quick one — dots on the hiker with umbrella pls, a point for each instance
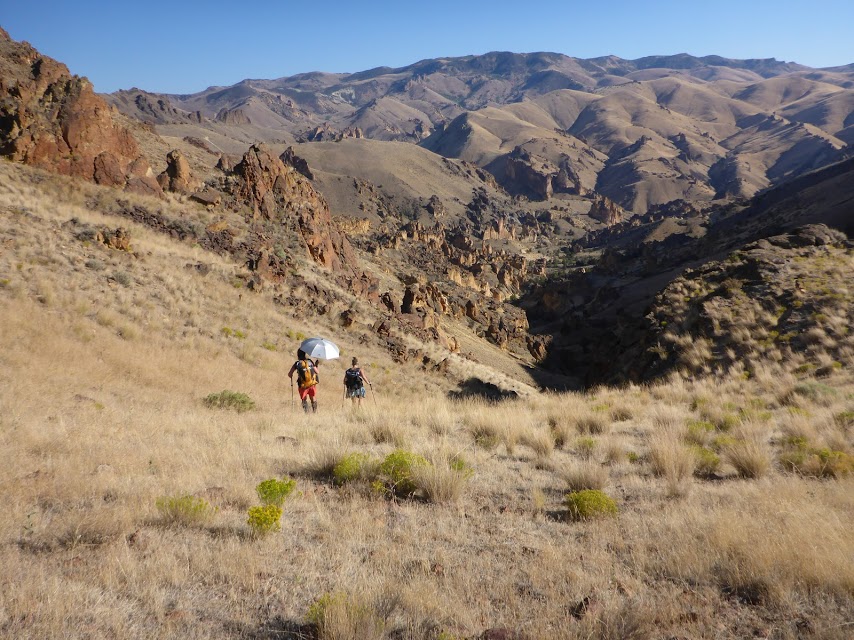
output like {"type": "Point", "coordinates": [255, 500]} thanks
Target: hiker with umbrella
{"type": "Point", "coordinates": [307, 371]}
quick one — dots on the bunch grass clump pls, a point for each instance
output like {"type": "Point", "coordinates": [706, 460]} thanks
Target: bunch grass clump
{"type": "Point", "coordinates": [594, 423]}
{"type": "Point", "coordinates": [670, 459]}
{"type": "Point", "coordinates": [443, 481]}
{"type": "Point", "coordinates": [586, 475]}
{"type": "Point", "coordinates": [226, 399]}
{"type": "Point", "coordinates": [185, 510]}
{"type": "Point", "coordinates": [590, 503]}
{"type": "Point", "coordinates": [336, 616]}
{"type": "Point", "coordinates": [749, 457]}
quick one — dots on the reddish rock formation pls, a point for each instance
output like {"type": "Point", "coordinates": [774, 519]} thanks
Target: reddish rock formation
{"type": "Point", "coordinates": [53, 120]}
{"type": "Point", "coordinates": [178, 177]}
{"type": "Point", "coordinates": [280, 193]}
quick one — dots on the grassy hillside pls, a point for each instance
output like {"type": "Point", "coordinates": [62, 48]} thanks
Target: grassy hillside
{"type": "Point", "coordinates": [128, 495]}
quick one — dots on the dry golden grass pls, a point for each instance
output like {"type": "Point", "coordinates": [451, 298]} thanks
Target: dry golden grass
{"type": "Point", "coordinates": [585, 475]}
{"type": "Point", "coordinates": [749, 456]}
{"type": "Point", "coordinates": [673, 461]}
{"type": "Point", "coordinates": [98, 422]}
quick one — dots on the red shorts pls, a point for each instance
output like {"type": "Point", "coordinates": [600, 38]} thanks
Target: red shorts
{"type": "Point", "coordinates": [308, 392]}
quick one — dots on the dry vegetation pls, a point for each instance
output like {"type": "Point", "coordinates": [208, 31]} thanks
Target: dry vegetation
{"type": "Point", "coordinates": [102, 382]}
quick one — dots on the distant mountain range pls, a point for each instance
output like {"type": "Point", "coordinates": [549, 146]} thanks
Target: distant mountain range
{"type": "Point", "coordinates": [642, 132]}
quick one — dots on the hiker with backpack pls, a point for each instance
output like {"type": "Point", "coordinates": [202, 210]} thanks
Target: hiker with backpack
{"type": "Point", "coordinates": [307, 380]}
{"type": "Point", "coordinates": [354, 382]}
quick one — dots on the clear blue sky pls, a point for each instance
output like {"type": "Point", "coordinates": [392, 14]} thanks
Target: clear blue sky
{"type": "Point", "coordinates": [185, 46]}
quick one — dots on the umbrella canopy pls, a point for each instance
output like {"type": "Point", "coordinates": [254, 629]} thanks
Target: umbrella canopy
{"type": "Point", "coordinates": [320, 348]}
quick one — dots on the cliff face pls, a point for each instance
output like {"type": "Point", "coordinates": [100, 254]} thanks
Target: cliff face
{"type": "Point", "coordinates": [53, 120]}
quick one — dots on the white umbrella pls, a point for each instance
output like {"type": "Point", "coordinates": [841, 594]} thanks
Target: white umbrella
{"type": "Point", "coordinates": [320, 348]}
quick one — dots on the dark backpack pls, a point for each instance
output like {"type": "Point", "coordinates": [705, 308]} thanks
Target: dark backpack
{"type": "Point", "coordinates": [353, 378]}
{"type": "Point", "coordinates": [306, 374]}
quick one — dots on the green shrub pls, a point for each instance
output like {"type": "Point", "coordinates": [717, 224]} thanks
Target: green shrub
{"type": "Point", "coordinates": [722, 441]}
{"type": "Point", "coordinates": [354, 466]}
{"type": "Point", "coordinates": [274, 491]}
{"type": "Point", "coordinates": [699, 432]}
{"type": "Point", "coordinates": [264, 519]}
{"type": "Point", "coordinates": [458, 463]}
{"type": "Point", "coordinates": [823, 462]}
{"type": "Point", "coordinates": [844, 419]}
{"type": "Point", "coordinates": [707, 462]}
{"type": "Point", "coordinates": [727, 422]}
{"type": "Point", "coordinates": [185, 510]}
{"type": "Point", "coordinates": [225, 399]}
{"type": "Point", "coordinates": [813, 390]}
{"type": "Point", "coordinates": [396, 472]}
{"type": "Point", "coordinates": [590, 503]}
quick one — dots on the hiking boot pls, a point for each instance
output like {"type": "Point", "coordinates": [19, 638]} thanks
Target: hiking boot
{"type": "Point", "coordinates": [313, 407]}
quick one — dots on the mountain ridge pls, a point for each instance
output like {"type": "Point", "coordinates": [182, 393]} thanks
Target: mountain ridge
{"type": "Point", "coordinates": [719, 128]}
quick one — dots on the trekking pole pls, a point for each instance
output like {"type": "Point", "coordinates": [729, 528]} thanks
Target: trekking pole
{"type": "Point", "coordinates": [292, 395]}
{"type": "Point", "coordinates": [373, 395]}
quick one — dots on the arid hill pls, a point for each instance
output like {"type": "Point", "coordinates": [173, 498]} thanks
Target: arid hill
{"type": "Point", "coordinates": [641, 132]}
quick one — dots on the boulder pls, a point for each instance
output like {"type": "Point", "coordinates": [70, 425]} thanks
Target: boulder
{"type": "Point", "coordinates": [178, 177]}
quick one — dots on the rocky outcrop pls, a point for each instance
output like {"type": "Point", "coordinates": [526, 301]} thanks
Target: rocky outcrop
{"type": "Point", "coordinates": [435, 207]}
{"type": "Point", "coordinates": [606, 211]}
{"type": "Point", "coordinates": [325, 133]}
{"type": "Point", "coordinates": [227, 162]}
{"type": "Point", "coordinates": [55, 121]}
{"type": "Point", "coordinates": [233, 117]}
{"type": "Point", "coordinates": [290, 158]}
{"type": "Point", "coordinates": [539, 178]}
{"type": "Point", "coordinates": [276, 192]}
{"type": "Point", "coordinates": [529, 175]}
{"type": "Point", "coordinates": [178, 177]}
